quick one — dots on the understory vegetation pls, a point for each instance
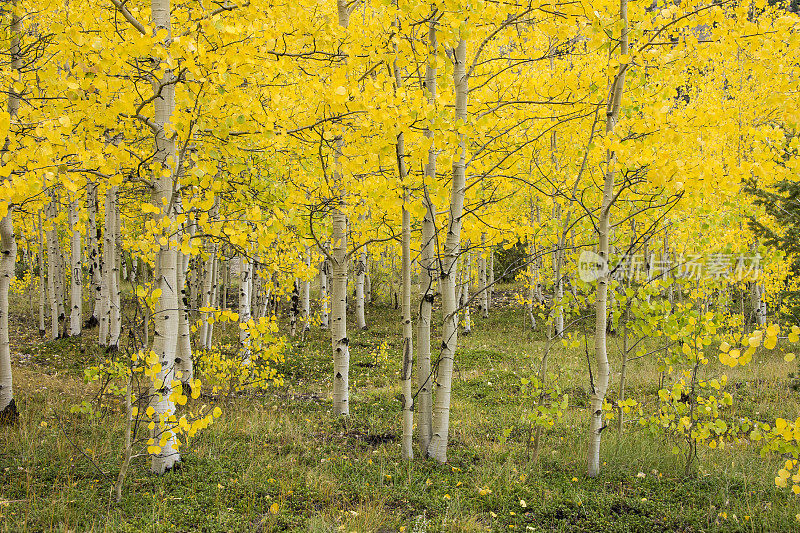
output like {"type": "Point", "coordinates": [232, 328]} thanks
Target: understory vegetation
{"type": "Point", "coordinates": [278, 460]}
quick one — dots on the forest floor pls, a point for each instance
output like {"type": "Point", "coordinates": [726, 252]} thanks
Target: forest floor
{"type": "Point", "coordinates": [58, 467]}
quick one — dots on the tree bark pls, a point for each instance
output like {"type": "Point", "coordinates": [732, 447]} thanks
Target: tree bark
{"type": "Point", "coordinates": [427, 264]}
{"type": "Point", "coordinates": [441, 408]}
{"type": "Point", "coordinates": [602, 376]}
{"type": "Point", "coordinates": [76, 292]}
{"type": "Point", "coordinates": [8, 258]}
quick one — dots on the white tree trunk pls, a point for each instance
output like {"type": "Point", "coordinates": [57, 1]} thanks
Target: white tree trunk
{"type": "Point", "coordinates": [76, 292]}
{"type": "Point", "coordinates": [603, 374]}
{"type": "Point", "coordinates": [406, 365]}
{"type": "Point", "coordinates": [115, 259]}
{"type": "Point", "coordinates": [339, 340]}
{"type": "Point", "coordinates": [8, 258]}
{"type": "Point", "coordinates": [361, 268]}
{"type": "Point", "coordinates": [465, 290]}
{"type": "Point", "coordinates": [427, 265]}
{"type": "Point", "coordinates": [490, 296]}
{"type": "Point", "coordinates": [245, 287]}
{"type": "Point", "coordinates": [209, 300]}
{"type": "Point", "coordinates": [483, 305]}
{"type": "Point", "coordinates": [441, 408]}
{"type": "Point", "coordinates": [93, 253]}
{"type": "Point", "coordinates": [367, 278]}
{"type": "Point", "coordinates": [293, 309]}
{"type": "Point", "coordinates": [306, 304]}
{"type": "Point", "coordinates": [183, 356]}
{"type": "Point", "coordinates": [42, 279]}
{"type": "Point", "coordinates": [165, 342]}
{"type": "Point", "coordinates": [52, 272]}
{"type": "Point", "coordinates": [324, 268]}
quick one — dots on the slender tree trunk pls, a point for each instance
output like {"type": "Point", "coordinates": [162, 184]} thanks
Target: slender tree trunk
{"type": "Point", "coordinates": [115, 258]}
{"type": "Point", "coordinates": [483, 306]}
{"type": "Point", "coordinates": [165, 343]}
{"type": "Point", "coordinates": [76, 292]}
{"type": "Point", "coordinates": [8, 258]}
{"type": "Point", "coordinates": [209, 291]}
{"type": "Point", "coordinates": [245, 287]}
{"type": "Point", "coordinates": [603, 373]}
{"type": "Point", "coordinates": [52, 271]}
{"type": "Point", "coordinates": [92, 244]}
{"type": "Point", "coordinates": [361, 268]}
{"type": "Point", "coordinates": [184, 369]}
{"type": "Point", "coordinates": [441, 408]}
{"type": "Point", "coordinates": [293, 309]}
{"type": "Point", "coordinates": [427, 263]}
{"type": "Point", "coordinates": [465, 291]}
{"type": "Point", "coordinates": [367, 277]}
{"type": "Point", "coordinates": [324, 268]}
{"type": "Point", "coordinates": [42, 279]}
{"type": "Point", "coordinates": [407, 450]}
{"type": "Point", "coordinates": [490, 296]}
{"type": "Point", "coordinates": [340, 342]}
{"type": "Point", "coordinates": [306, 306]}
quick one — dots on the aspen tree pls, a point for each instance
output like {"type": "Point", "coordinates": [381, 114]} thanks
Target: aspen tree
{"type": "Point", "coordinates": [245, 293]}
{"type": "Point", "coordinates": [603, 372]}
{"type": "Point", "coordinates": [427, 260]}
{"type": "Point", "coordinates": [76, 286]}
{"type": "Point", "coordinates": [339, 265]}
{"type": "Point", "coordinates": [406, 364]}
{"type": "Point", "coordinates": [465, 290]}
{"type": "Point", "coordinates": [114, 258]}
{"type": "Point", "coordinates": [483, 306]}
{"type": "Point", "coordinates": [8, 258]}
{"type": "Point", "coordinates": [42, 277]}
{"type": "Point", "coordinates": [8, 241]}
{"type": "Point", "coordinates": [437, 449]}
{"type": "Point", "coordinates": [306, 307]}
{"type": "Point", "coordinates": [52, 270]}
{"type": "Point", "coordinates": [323, 292]}
{"type": "Point", "coordinates": [93, 253]}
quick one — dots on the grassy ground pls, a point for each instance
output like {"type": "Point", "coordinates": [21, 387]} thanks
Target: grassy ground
{"type": "Point", "coordinates": [57, 468]}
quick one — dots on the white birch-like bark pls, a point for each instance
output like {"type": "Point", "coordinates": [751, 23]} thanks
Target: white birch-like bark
{"type": "Point", "coordinates": [209, 290]}
{"type": "Point", "coordinates": [306, 299]}
{"type": "Point", "coordinates": [427, 273]}
{"type": "Point", "coordinates": [293, 308]}
{"type": "Point", "coordinates": [245, 287]}
{"type": "Point", "coordinates": [76, 286]}
{"type": "Point", "coordinates": [184, 370]}
{"type": "Point", "coordinates": [437, 449]}
{"type": "Point", "coordinates": [324, 268]}
{"type": "Point", "coordinates": [406, 365]}
{"type": "Point", "coordinates": [52, 272]}
{"type": "Point", "coordinates": [558, 263]}
{"type": "Point", "coordinates": [465, 291]}
{"type": "Point", "coordinates": [115, 259]}
{"type": "Point", "coordinates": [338, 319]}
{"type": "Point", "coordinates": [339, 266]}
{"type": "Point", "coordinates": [367, 277]}
{"type": "Point", "coordinates": [490, 274]}
{"type": "Point", "coordinates": [361, 268]}
{"type": "Point", "coordinates": [165, 342]}
{"type": "Point", "coordinates": [42, 279]}
{"type": "Point", "coordinates": [93, 252]}
{"type": "Point", "coordinates": [603, 373]}
{"type": "Point", "coordinates": [483, 301]}
{"type": "Point", "coordinates": [8, 258]}
{"type": "Point", "coordinates": [8, 246]}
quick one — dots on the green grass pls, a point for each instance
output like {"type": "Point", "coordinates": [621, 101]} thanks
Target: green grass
{"type": "Point", "coordinates": [57, 468]}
